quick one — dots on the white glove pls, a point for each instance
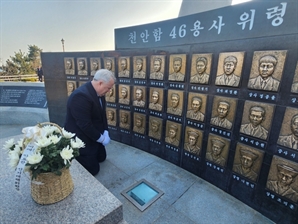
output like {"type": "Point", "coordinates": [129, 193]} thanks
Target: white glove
{"type": "Point", "coordinates": [106, 133]}
{"type": "Point", "coordinates": [106, 140]}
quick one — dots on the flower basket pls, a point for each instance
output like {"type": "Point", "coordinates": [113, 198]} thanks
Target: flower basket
{"type": "Point", "coordinates": [49, 188]}
{"type": "Point", "coordinates": [46, 152]}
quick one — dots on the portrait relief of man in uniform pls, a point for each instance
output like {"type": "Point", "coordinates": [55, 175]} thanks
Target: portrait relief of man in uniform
{"type": "Point", "coordinates": [124, 117]}
{"type": "Point", "coordinates": [196, 106]}
{"type": "Point", "coordinates": [111, 95]}
{"type": "Point", "coordinates": [229, 69]}
{"type": "Point", "coordinates": [109, 64]}
{"type": "Point", "coordinates": [69, 66]}
{"type": "Point", "coordinates": [157, 67]}
{"type": "Point", "coordinates": [177, 67]}
{"type": "Point", "coordinates": [82, 66]}
{"type": "Point", "coordinates": [155, 127]}
{"type": "Point", "coordinates": [248, 161]}
{"type": "Point", "coordinates": [288, 135]}
{"type": "Point", "coordinates": [71, 86]}
{"type": "Point", "coordinates": [200, 68]}
{"type": "Point", "coordinates": [223, 112]}
{"type": "Point", "coordinates": [124, 94]}
{"type": "Point", "coordinates": [139, 123]}
{"type": "Point", "coordinates": [139, 96]}
{"type": "Point", "coordinates": [257, 119]}
{"type": "Point", "coordinates": [175, 102]}
{"type": "Point", "coordinates": [156, 99]}
{"type": "Point", "coordinates": [123, 67]}
{"type": "Point", "coordinates": [217, 150]}
{"type": "Point", "coordinates": [173, 133]}
{"type": "Point", "coordinates": [95, 64]}
{"type": "Point", "coordinates": [294, 88]}
{"type": "Point", "coordinates": [282, 178]}
{"type": "Point", "coordinates": [267, 70]}
{"type": "Point", "coordinates": [111, 116]}
{"type": "Point", "coordinates": [139, 67]}
{"type": "Point", "coordinates": [193, 140]}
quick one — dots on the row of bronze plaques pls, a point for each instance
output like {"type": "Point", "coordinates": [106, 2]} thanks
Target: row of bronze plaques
{"type": "Point", "coordinates": [266, 68]}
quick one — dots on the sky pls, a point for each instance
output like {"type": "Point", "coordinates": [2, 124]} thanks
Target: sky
{"type": "Point", "coordinates": [84, 25]}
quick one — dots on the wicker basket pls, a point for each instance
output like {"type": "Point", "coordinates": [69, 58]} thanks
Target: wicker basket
{"type": "Point", "coordinates": [49, 188]}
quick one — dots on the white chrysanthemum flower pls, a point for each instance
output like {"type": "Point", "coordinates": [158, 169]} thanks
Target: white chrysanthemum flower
{"type": "Point", "coordinates": [18, 149]}
{"type": "Point", "coordinates": [13, 159]}
{"type": "Point", "coordinates": [54, 138]}
{"type": "Point", "coordinates": [66, 154]}
{"type": "Point", "coordinates": [34, 158]}
{"type": "Point", "coordinates": [67, 134]}
{"type": "Point", "coordinates": [48, 129]}
{"type": "Point", "coordinates": [8, 144]}
{"type": "Point", "coordinates": [34, 132]}
{"type": "Point", "coordinates": [77, 143]}
{"type": "Point", "coordinates": [43, 142]}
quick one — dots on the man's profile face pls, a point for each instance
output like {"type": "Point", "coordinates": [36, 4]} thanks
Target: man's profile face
{"type": "Point", "coordinates": [256, 118]}
{"type": "Point", "coordinates": [68, 64]}
{"type": "Point", "coordinates": [111, 92]}
{"type": "Point", "coordinates": [70, 87]}
{"type": "Point", "coordinates": [284, 178]}
{"type": "Point", "coordinates": [201, 67]}
{"type": "Point", "coordinates": [172, 133]}
{"type": "Point", "coordinates": [196, 105]}
{"type": "Point", "coordinates": [222, 110]}
{"type": "Point", "coordinates": [154, 127]}
{"type": "Point", "coordinates": [81, 65]}
{"type": "Point", "coordinates": [123, 64]}
{"type": "Point", "coordinates": [138, 123]}
{"type": "Point", "coordinates": [192, 140]}
{"type": "Point", "coordinates": [175, 101]}
{"type": "Point", "coordinates": [229, 67]}
{"type": "Point", "coordinates": [294, 126]}
{"type": "Point", "coordinates": [177, 66]}
{"type": "Point", "coordinates": [154, 98]}
{"type": "Point", "coordinates": [216, 149]}
{"type": "Point", "coordinates": [139, 94]}
{"type": "Point", "coordinates": [157, 66]}
{"type": "Point", "coordinates": [94, 65]}
{"type": "Point", "coordinates": [266, 69]}
{"type": "Point", "coordinates": [246, 162]}
{"type": "Point", "coordinates": [123, 118]}
{"type": "Point", "coordinates": [109, 65]}
{"type": "Point", "coordinates": [139, 66]}
{"type": "Point", "coordinates": [110, 115]}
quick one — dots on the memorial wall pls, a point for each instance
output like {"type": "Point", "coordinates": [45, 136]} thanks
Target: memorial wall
{"type": "Point", "coordinates": [215, 93]}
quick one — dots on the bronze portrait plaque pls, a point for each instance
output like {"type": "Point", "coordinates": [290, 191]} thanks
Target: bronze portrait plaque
{"type": "Point", "coordinates": [248, 161]}
{"type": "Point", "coordinates": [173, 133]}
{"type": "Point", "coordinates": [217, 150]}
{"type": "Point", "coordinates": [193, 140]}
{"type": "Point", "coordinates": [266, 70]}
{"type": "Point", "coordinates": [177, 67]}
{"type": "Point", "coordinates": [71, 86]}
{"type": "Point", "coordinates": [196, 106]}
{"type": "Point", "coordinates": [223, 112]}
{"type": "Point", "coordinates": [155, 127]}
{"type": "Point", "coordinates": [69, 66]}
{"type": "Point", "coordinates": [256, 119]}
{"type": "Point", "coordinates": [288, 135]}
{"type": "Point", "coordinates": [82, 66]}
{"type": "Point", "coordinates": [125, 120]}
{"type": "Point", "coordinates": [95, 64]}
{"type": "Point", "coordinates": [139, 63]}
{"type": "Point", "coordinates": [282, 178]}
{"type": "Point", "coordinates": [111, 95]}
{"type": "Point", "coordinates": [175, 102]}
{"type": "Point", "coordinates": [294, 88]}
{"type": "Point", "coordinates": [157, 67]}
{"type": "Point", "coordinates": [139, 123]}
{"type": "Point", "coordinates": [123, 67]}
{"type": "Point", "coordinates": [109, 64]}
{"type": "Point", "coordinates": [156, 99]}
{"type": "Point", "coordinates": [111, 116]}
{"type": "Point", "coordinates": [139, 96]}
{"type": "Point", "coordinates": [229, 69]}
{"type": "Point", "coordinates": [124, 93]}
{"type": "Point", "coordinates": [200, 68]}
